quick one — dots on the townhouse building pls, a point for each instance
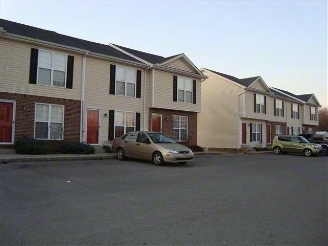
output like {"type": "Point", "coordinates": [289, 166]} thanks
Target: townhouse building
{"type": "Point", "coordinates": [247, 112]}
{"type": "Point", "coordinates": [57, 87]}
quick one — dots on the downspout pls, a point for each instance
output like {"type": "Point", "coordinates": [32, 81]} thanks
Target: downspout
{"type": "Point", "coordinates": [153, 82]}
{"type": "Point", "coordinates": [144, 97]}
{"type": "Point", "coordinates": [82, 96]}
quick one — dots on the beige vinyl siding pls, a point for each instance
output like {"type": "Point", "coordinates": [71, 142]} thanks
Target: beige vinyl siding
{"type": "Point", "coordinates": [249, 107]}
{"type": "Point", "coordinates": [218, 122]}
{"type": "Point", "coordinates": [97, 95]}
{"type": "Point", "coordinates": [181, 64]}
{"type": "Point", "coordinates": [270, 111]}
{"type": "Point", "coordinates": [258, 85]}
{"type": "Point", "coordinates": [311, 100]}
{"type": "Point", "coordinates": [307, 120]}
{"type": "Point", "coordinates": [15, 70]}
{"type": "Point", "coordinates": [164, 93]}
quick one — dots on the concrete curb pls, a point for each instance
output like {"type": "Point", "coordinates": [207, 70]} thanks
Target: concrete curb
{"type": "Point", "coordinates": [105, 156]}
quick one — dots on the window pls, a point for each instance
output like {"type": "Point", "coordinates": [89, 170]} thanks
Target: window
{"type": "Point", "coordinates": [279, 108]}
{"type": "Point", "coordinates": [310, 130]}
{"type": "Point", "coordinates": [256, 132]}
{"type": "Point", "coordinates": [185, 88]}
{"type": "Point", "coordinates": [49, 121]}
{"type": "Point", "coordinates": [295, 130]}
{"type": "Point", "coordinates": [125, 81]}
{"type": "Point", "coordinates": [180, 128]}
{"type": "Point", "coordinates": [313, 113]}
{"type": "Point", "coordinates": [124, 122]}
{"type": "Point", "coordinates": [278, 130]}
{"type": "Point", "coordinates": [283, 138]}
{"type": "Point", "coordinates": [52, 69]}
{"type": "Point", "coordinates": [295, 113]}
{"type": "Point", "coordinates": [260, 104]}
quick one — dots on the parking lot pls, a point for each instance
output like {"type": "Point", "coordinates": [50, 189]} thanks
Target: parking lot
{"type": "Point", "coordinates": [214, 200]}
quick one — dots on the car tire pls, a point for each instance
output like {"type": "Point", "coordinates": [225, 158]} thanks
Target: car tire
{"type": "Point", "coordinates": [307, 152]}
{"type": "Point", "coordinates": [277, 150]}
{"type": "Point", "coordinates": [120, 154]}
{"type": "Point", "coordinates": [157, 158]}
{"type": "Point", "coordinates": [324, 151]}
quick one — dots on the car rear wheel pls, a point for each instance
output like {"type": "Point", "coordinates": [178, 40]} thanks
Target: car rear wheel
{"type": "Point", "coordinates": [307, 152]}
{"type": "Point", "coordinates": [158, 158]}
{"type": "Point", "coordinates": [277, 150]}
{"type": "Point", "coordinates": [120, 154]}
{"type": "Point", "coordinates": [324, 151]}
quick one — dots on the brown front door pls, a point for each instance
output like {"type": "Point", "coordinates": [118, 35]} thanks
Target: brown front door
{"type": "Point", "coordinates": [156, 123]}
{"type": "Point", "coordinates": [93, 127]}
{"type": "Point", "coordinates": [268, 134]}
{"type": "Point", "coordinates": [6, 122]}
{"type": "Point", "coordinates": [243, 133]}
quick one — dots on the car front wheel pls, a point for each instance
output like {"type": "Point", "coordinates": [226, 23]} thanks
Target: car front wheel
{"type": "Point", "coordinates": [158, 158]}
{"type": "Point", "coordinates": [120, 154]}
{"type": "Point", "coordinates": [277, 150]}
{"type": "Point", "coordinates": [307, 152]}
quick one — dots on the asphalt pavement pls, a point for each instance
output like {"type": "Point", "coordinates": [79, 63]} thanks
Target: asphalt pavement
{"type": "Point", "coordinates": [214, 200]}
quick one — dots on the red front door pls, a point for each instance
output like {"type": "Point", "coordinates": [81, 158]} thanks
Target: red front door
{"type": "Point", "coordinates": [156, 122]}
{"type": "Point", "coordinates": [243, 133]}
{"type": "Point", "coordinates": [268, 134]}
{"type": "Point", "coordinates": [92, 126]}
{"type": "Point", "coordinates": [6, 122]}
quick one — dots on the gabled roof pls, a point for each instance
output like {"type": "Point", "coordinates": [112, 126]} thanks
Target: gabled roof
{"type": "Point", "coordinates": [248, 81]}
{"type": "Point", "coordinates": [54, 37]}
{"type": "Point", "coordinates": [305, 97]}
{"type": "Point", "coordinates": [286, 94]}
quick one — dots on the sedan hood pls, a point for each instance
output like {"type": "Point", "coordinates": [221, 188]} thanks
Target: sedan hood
{"type": "Point", "coordinates": [174, 146]}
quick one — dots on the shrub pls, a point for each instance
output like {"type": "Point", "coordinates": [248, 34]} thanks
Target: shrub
{"type": "Point", "coordinates": [28, 146]}
{"type": "Point", "coordinates": [196, 148]}
{"type": "Point", "coordinates": [70, 147]}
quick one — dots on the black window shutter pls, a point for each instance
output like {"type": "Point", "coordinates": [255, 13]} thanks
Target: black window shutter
{"type": "Point", "coordinates": [254, 103]}
{"type": "Point", "coordinates": [316, 114]}
{"type": "Point", "coordinates": [261, 134]}
{"type": "Point", "coordinates": [291, 110]}
{"type": "Point", "coordinates": [137, 121]}
{"type": "Point", "coordinates": [265, 104]}
{"type": "Point", "coordinates": [292, 130]}
{"type": "Point", "coordinates": [251, 132]}
{"type": "Point", "coordinates": [70, 69]}
{"type": "Point", "coordinates": [194, 90]}
{"type": "Point", "coordinates": [298, 111]}
{"type": "Point", "coordinates": [33, 65]}
{"type": "Point", "coordinates": [112, 79]}
{"type": "Point", "coordinates": [283, 108]}
{"type": "Point", "coordinates": [138, 90]}
{"type": "Point", "coordinates": [111, 125]}
{"type": "Point", "coordinates": [310, 112]}
{"type": "Point", "coordinates": [274, 107]}
{"type": "Point", "coordinates": [175, 88]}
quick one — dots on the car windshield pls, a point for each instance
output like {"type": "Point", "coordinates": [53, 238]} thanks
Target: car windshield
{"type": "Point", "coordinates": [160, 138]}
{"type": "Point", "coordinates": [302, 139]}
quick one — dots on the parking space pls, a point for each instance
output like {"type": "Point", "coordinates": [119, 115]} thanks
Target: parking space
{"type": "Point", "coordinates": [214, 200]}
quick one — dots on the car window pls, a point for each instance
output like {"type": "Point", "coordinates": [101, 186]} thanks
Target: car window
{"type": "Point", "coordinates": [283, 138]}
{"type": "Point", "coordinates": [142, 138]}
{"type": "Point", "coordinates": [295, 139]}
{"type": "Point", "coordinates": [302, 139]}
{"type": "Point", "coordinates": [131, 136]}
{"type": "Point", "coordinates": [160, 138]}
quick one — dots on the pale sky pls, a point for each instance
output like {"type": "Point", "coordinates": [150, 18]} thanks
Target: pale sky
{"type": "Point", "coordinates": [284, 41]}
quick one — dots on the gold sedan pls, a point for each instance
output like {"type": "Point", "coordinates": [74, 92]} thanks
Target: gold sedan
{"type": "Point", "coordinates": [152, 146]}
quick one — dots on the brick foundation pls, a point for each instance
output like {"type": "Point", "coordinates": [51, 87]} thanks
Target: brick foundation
{"type": "Point", "coordinates": [25, 114]}
{"type": "Point", "coordinates": [167, 123]}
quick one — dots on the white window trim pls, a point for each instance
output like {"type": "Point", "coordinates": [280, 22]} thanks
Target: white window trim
{"type": "Point", "coordinates": [180, 116]}
{"type": "Point", "coordinates": [280, 130]}
{"type": "Point", "coordinates": [49, 121]}
{"type": "Point", "coordinates": [184, 89]}
{"type": "Point", "coordinates": [258, 102]}
{"type": "Point", "coordinates": [52, 70]}
{"type": "Point", "coordinates": [125, 82]}
{"type": "Point", "coordinates": [295, 113]}
{"type": "Point", "coordinates": [279, 108]}
{"type": "Point", "coordinates": [256, 132]}
{"type": "Point", "coordinates": [135, 119]}
{"type": "Point", "coordinates": [313, 117]}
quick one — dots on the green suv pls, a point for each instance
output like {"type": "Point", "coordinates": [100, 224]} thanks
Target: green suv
{"type": "Point", "coordinates": [295, 144]}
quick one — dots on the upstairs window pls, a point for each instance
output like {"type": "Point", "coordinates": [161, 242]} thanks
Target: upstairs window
{"type": "Point", "coordinates": [259, 104]}
{"type": "Point", "coordinates": [185, 90]}
{"type": "Point", "coordinates": [278, 107]}
{"type": "Point", "coordinates": [125, 81]}
{"type": "Point", "coordinates": [295, 111]}
{"type": "Point", "coordinates": [313, 113]}
{"type": "Point", "coordinates": [52, 69]}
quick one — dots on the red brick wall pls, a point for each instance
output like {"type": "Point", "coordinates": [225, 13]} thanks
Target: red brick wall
{"type": "Point", "coordinates": [273, 128]}
{"type": "Point", "coordinates": [167, 123]}
{"type": "Point", "coordinates": [306, 127]}
{"type": "Point", "coordinates": [25, 113]}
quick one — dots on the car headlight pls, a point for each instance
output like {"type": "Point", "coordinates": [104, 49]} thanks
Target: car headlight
{"type": "Point", "coordinates": [172, 151]}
